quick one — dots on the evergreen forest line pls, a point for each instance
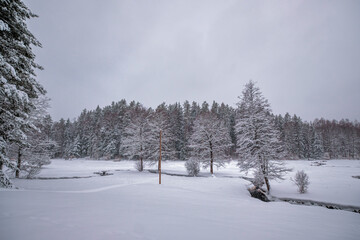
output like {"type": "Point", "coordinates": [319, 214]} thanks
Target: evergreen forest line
{"type": "Point", "coordinates": [102, 133]}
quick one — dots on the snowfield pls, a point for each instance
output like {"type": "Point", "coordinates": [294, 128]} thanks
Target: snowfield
{"type": "Point", "coordinates": [132, 205]}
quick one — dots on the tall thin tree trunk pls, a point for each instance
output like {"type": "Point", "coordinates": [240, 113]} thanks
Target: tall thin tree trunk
{"type": "Point", "coordinates": [17, 172]}
{"type": "Point", "coordinates": [1, 165]}
{"type": "Point", "coordinates": [265, 171]}
{"type": "Point", "coordinates": [141, 160]}
{"type": "Point", "coordinates": [267, 184]}
{"type": "Point", "coordinates": [211, 158]}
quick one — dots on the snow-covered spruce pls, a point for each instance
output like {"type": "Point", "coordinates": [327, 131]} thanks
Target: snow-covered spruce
{"type": "Point", "coordinates": [159, 122]}
{"type": "Point", "coordinates": [135, 140]}
{"type": "Point", "coordinates": [258, 141]}
{"type": "Point", "coordinates": [17, 83]}
{"type": "Point", "coordinates": [141, 138]}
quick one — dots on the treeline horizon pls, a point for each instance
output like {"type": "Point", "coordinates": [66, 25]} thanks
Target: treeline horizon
{"type": "Point", "coordinates": [73, 119]}
{"type": "Point", "coordinates": [98, 134]}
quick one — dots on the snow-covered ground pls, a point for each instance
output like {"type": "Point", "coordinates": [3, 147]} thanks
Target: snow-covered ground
{"type": "Point", "coordinates": [332, 182]}
{"type": "Point", "coordinates": [132, 205]}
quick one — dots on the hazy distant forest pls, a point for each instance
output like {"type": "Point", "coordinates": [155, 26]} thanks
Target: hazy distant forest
{"type": "Point", "coordinates": [102, 133]}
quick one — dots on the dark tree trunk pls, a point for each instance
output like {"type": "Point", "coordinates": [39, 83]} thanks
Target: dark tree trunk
{"type": "Point", "coordinates": [141, 164]}
{"type": "Point", "coordinates": [267, 184]}
{"type": "Point", "coordinates": [211, 159]}
{"type": "Point", "coordinates": [17, 172]}
{"type": "Point", "coordinates": [265, 171]}
{"type": "Point", "coordinates": [141, 160]}
{"type": "Point", "coordinates": [1, 165]}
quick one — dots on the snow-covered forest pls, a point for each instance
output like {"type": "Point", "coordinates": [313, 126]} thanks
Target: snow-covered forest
{"type": "Point", "coordinates": [100, 133]}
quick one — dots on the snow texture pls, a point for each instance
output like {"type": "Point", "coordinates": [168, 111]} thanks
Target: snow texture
{"type": "Point", "coordinates": [132, 205]}
{"type": "Point", "coordinates": [4, 26]}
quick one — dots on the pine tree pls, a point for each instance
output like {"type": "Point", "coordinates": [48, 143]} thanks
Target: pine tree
{"type": "Point", "coordinates": [58, 135]}
{"type": "Point", "coordinates": [210, 142]}
{"type": "Point", "coordinates": [158, 121]}
{"type": "Point", "coordinates": [287, 137]}
{"type": "Point", "coordinates": [188, 123]}
{"type": "Point", "coordinates": [17, 83]}
{"type": "Point", "coordinates": [204, 107]}
{"type": "Point", "coordinates": [83, 130]}
{"type": "Point", "coordinates": [306, 143]}
{"type": "Point", "coordinates": [257, 138]}
{"type": "Point", "coordinates": [136, 137]}
{"type": "Point", "coordinates": [298, 137]}
{"type": "Point", "coordinates": [73, 149]}
{"type": "Point", "coordinates": [69, 138]}
{"type": "Point", "coordinates": [176, 121]}
{"type": "Point", "coordinates": [316, 150]}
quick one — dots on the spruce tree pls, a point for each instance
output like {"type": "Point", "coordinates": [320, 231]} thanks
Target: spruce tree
{"type": "Point", "coordinates": [158, 121]}
{"type": "Point", "coordinates": [317, 150]}
{"type": "Point", "coordinates": [17, 78]}
{"type": "Point", "coordinates": [136, 137]}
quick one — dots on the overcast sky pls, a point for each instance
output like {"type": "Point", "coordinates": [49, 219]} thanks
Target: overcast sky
{"type": "Point", "coordinates": [304, 55]}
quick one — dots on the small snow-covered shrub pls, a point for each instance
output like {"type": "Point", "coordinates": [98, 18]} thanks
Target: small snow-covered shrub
{"type": "Point", "coordinates": [139, 165]}
{"type": "Point", "coordinates": [302, 181]}
{"type": "Point", "coordinates": [192, 167]}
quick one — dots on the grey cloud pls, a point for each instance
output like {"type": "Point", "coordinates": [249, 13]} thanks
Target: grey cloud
{"type": "Point", "coordinates": [303, 54]}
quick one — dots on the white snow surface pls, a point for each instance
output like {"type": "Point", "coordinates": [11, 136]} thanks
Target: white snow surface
{"type": "Point", "coordinates": [132, 205]}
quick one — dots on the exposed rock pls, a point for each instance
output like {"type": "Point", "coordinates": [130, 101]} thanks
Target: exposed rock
{"type": "Point", "coordinates": [258, 193]}
{"type": "Point", "coordinates": [318, 163]}
{"type": "Point", "coordinates": [103, 173]}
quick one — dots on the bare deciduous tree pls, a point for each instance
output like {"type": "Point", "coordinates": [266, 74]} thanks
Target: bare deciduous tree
{"type": "Point", "coordinates": [210, 142]}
